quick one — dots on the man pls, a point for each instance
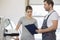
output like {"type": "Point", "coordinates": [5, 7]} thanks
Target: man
{"type": "Point", "coordinates": [50, 23]}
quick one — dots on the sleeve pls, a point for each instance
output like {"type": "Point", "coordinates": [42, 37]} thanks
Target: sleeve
{"type": "Point", "coordinates": [20, 21]}
{"type": "Point", "coordinates": [36, 23]}
{"type": "Point", "coordinates": [54, 16]}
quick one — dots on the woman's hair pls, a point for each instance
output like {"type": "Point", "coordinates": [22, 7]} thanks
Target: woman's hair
{"type": "Point", "coordinates": [28, 7]}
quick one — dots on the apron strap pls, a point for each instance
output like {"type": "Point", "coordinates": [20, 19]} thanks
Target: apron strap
{"type": "Point", "coordinates": [50, 14]}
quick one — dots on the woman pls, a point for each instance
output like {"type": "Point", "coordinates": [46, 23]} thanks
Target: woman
{"type": "Point", "coordinates": [26, 20]}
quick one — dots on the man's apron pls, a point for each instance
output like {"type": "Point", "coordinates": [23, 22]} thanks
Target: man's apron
{"type": "Point", "coordinates": [48, 35]}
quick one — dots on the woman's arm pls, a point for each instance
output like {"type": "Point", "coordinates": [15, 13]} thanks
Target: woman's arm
{"type": "Point", "coordinates": [17, 27]}
{"type": "Point", "coordinates": [19, 23]}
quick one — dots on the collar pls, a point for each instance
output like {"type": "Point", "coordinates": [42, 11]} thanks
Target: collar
{"type": "Point", "coordinates": [50, 12]}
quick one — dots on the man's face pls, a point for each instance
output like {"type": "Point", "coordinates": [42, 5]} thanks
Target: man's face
{"type": "Point", "coordinates": [46, 6]}
{"type": "Point", "coordinates": [29, 12]}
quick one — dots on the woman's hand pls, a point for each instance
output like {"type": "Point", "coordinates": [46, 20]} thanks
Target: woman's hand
{"type": "Point", "coordinates": [16, 38]}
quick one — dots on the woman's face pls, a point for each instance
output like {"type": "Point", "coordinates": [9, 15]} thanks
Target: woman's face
{"type": "Point", "coordinates": [29, 12]}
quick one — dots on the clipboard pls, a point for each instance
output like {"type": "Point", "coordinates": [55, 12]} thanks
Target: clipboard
{"type": "Point", "coordinates": [31, 28]}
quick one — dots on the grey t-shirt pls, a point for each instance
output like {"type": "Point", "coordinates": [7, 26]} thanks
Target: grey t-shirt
{"type": "Point", "coordinates": [26, 35]}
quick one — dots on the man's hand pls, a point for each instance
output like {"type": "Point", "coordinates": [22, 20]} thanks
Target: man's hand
{"type": "Point", "coordinates": [39, 30]}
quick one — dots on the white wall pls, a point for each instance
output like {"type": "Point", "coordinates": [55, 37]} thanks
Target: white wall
{"type": "Point", "coordinates": [12, 9]}
{"type": "Point", "coordinates": [41, 1]}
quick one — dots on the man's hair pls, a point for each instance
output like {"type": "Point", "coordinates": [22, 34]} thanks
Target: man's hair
{"type": "Point", "coordinates": [49, 2]}
{"type": "Point", "coordinates": [28, 7]}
